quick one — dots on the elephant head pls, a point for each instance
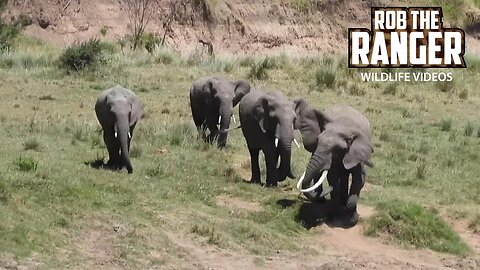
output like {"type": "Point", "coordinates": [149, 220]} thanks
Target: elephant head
{"type": "Point", "coordinates": [276, 117]}
{"type": "Point", "coordinates": [334, 140]}
{"type": "Point", "coordinates": [222, 96]}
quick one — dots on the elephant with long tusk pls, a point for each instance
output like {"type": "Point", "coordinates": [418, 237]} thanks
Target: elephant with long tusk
{"type": "Point", "coordinates": [340, 142]}
{"type": "Point", "coordinates": [266, 119]}
{"type": "Point", "coordinates": [212, 100]}
{"type": "Point", "coordinates": [118, 110]}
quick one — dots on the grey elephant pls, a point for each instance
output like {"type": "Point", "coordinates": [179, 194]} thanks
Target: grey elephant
{"type": "Point", "coordinates": [340, 142]}
{"type": "Point", "coordinates": [267, 124]}
{"type": "Point", "coordinates": [118, 111]}
{"type": "Point", "coordinates": [212, 100]}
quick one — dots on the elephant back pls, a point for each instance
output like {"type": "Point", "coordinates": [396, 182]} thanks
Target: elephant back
{"type": "Point", "coordinates": [347, 115]}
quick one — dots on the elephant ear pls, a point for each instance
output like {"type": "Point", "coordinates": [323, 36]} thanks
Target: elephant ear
{"type": "Point", "coordinates": [306, 114]}
{"type": "Point", "coordinates": [299, 105]}
{"type": "Point", "coordinates": [136, 111]}
{"type": "Point", "coordinates": [209, 90]}
{"type": "Point", "coordinates": [261, 109]}
{"type": "Point", "coordinates": [360, 150]}
{"type": "Point", "coordinates": [242, 87]}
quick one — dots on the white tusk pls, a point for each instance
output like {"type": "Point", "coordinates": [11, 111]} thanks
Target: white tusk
{"type": "Point", "coordinates": [295, 141]}
{"type": "Point", "coordinates": [116, 134]}
{"type": "Point", "coordinates": [276, 142]}
{"type": "Point", "coordinates": [233, 117]}
{"type": "Point", "coordinates": [319, 183]}
{"type": "Point", "coordinates": [299, 183]}
{"type": "Point", "coordinates": [219, 119]}
{"type": "Point", "coordinates": [129, 135]}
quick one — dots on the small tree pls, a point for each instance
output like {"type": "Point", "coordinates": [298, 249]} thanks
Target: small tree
{"type": "Point", "coordinates": [140, 14]}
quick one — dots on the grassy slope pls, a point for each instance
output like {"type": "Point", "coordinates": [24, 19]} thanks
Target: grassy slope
{"type": "Point", "coordinates": [55, 209]}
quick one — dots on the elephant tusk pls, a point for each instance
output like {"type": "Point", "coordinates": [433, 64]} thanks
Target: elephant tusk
{"type": "Point", "coordinates": [276, 142]}
{"type": "Point", "coordinates": [129, 135]}
{"type": "Point", "coordinates": [116, 135]}
{"type": "Point", "coordinates": [219, 119]}
{"type": "Point", "coordinates": [296, 143]}
{"type": "Point", "coordinates": [319, 183]}
{"type": "Point", "coordinates": [233, 118]}
{"type": "Point", "coordinates": [299, 183]}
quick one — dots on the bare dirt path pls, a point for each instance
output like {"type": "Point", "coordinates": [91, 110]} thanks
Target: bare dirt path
{"type": "Point", "coordinates": [337, 249]}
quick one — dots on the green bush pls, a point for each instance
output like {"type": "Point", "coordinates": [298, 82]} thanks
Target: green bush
{"type": "Point", "coordinates": [259, 69]}
{"type": "Point", "coordinates": [445, 124]}
{"type": "Point", "coordinates": [26, 164]}
{"type": "Point", "coordinates": [8, 35]}
{"type": "Point", "coordinates": [324, 77]}
{"type": "Point", "coordinates": [86, 55]}
{"type": "Point", "coordinates": [151, 42]}
{"type": "Point", "coordinates": [412, 224]}
{"type": "Point", "coordinates": [468, 129]}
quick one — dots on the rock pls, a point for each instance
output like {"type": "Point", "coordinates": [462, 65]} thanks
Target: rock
{"type": "Point", "coordinates": [44, 22]}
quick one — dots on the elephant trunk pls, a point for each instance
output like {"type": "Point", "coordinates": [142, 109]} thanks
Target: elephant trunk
{"type": "Point", "coordinates": [225, 113]}
{"type": "Point", "coordinates": [316, 166]}
{"type": "Point", "coordinates": [285, 147]}
{"type": "Point", "coordinates": [123, 128]}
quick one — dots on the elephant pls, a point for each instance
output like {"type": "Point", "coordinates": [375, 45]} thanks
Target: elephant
{"type": "Point", "coordinates": [340, 142]}
{"type": "Point", "coordinates": [212, 100]}
{"type": "Point", "coordinates": [118, 110]}
{"type": "Point", "coordinates": [267, 120]}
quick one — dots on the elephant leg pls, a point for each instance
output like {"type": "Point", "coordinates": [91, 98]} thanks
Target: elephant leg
{"type": "Point", "coordinates": [200, 120]}
{"type": "Point", "coordinates": [213, 132]}
{"type": "Point", "coordinates": [254, 152]}
{"type": "Point", "coordinates": [333, 180]}
{"type": "Point", "coordinates": [271, 163]}
{"type": "Point", "coordinates": [343, 188]}
{"type": "Point", "coordinates": [358, 180]}
{"type": "Point", "coordinates": [112, 147]}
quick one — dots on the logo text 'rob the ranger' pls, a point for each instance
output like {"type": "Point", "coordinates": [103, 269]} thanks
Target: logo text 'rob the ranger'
{"type": "Point", "coordinates": [406, 37]}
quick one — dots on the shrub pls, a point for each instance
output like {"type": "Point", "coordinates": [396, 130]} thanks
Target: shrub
{"type": "Point", "coordinates": [86, 55]}
{"type": "Point", "coordinates": [26, 164]}
{"type": "Point", "coordinates": [246, 61]}
{"type": "Point", "coordinates": [324, 77]}
{"type": "Point", "coordinates": [164, 57]}
{"type": "Point", "coordinates": [136, 151]}
{"type": "Point", "coordinates": [355, 89]}
{"type": "Point", "coordinates": [445, 124]}
{"type": "Point", "coordinates": [384, 136]}
{"type": "Point", "coordinates": [31, 144]}
{"type": "Point", "coordinates": [421, 170]}
{"type": "Point", "coordinates": [468, 130]}
{"type": "Point", "coordinates": [259, 69]}
{"type": "Point", "coordinates": [8, 35]}
{"type": "Point", "coordinates": [390, 89]}
{"type": "Point", "coordinates": [151, 42]}
{"type": "Point", "coordinates": [411, 224]}
{"type": "Point", "coordinates": [445, 86]}
{"type": "Point", "coordinates": [463, 94]}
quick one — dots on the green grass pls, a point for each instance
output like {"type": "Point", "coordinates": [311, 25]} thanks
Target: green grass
{"type": "Point", "coordinates": [52, 203]}
{"type": "Point", "coordinates": [412, 224]}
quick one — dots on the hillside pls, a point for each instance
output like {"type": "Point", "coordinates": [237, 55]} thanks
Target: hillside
{"type": "Point", "coordinates": [247, 26]}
